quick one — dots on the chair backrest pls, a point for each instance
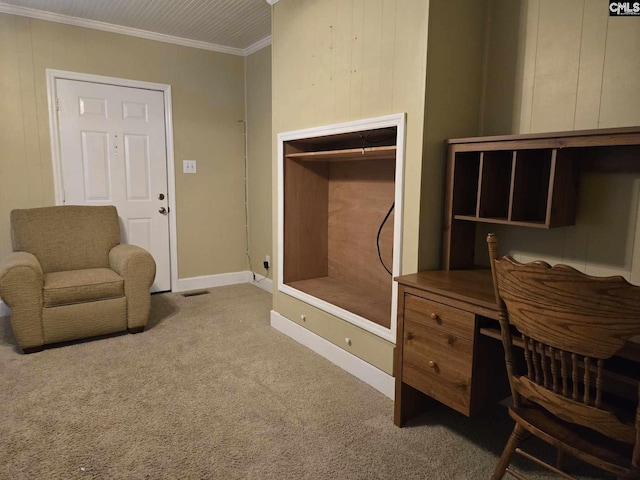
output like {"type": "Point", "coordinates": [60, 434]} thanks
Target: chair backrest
{"type": "Point", "coordinates": [569, 323]}
{"type": "Point", "coordinates": [69, 237]}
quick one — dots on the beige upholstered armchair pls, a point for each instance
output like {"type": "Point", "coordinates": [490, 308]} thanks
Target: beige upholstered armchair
{"type": "Point", "coordinates": [69, 277]}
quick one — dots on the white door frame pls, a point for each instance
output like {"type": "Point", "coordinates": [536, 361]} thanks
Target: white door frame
{"type": "Point", "coordinates": [54, 131]}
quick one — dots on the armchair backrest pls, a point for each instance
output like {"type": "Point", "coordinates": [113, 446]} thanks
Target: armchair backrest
{"type": "Point", "coordinates": [69, 237]}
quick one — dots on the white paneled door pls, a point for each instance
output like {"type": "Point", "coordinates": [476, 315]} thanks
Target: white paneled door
{"type": "Point", "coordinates": [113, 152]}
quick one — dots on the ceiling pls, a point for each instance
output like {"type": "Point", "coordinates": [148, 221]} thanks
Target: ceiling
{"type": "Point", "coordinates": [230, 26]}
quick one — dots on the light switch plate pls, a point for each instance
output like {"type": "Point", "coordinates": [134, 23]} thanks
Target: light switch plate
{"type": "Point", "coordinates": [188, 166]}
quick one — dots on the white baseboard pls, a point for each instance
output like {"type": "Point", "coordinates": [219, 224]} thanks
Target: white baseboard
{"type": "Point", "coordinates": [4, 310]}
{"type": "Point", "coordinates": [357, 367]}
{"type": "Point", "coordinates": [211, 281]}
{"type": "Point", "coordinates": [262, 282]}
{"type": "Point", "coordinates": [220, 280]}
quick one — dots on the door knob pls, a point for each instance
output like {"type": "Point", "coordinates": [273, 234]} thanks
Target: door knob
{"type": "Point", "coordinates": [163, 210]}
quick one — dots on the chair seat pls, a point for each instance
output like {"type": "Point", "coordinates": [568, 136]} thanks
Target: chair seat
{"type": "Point", "coordinates": [80, 286]}
{"type": "Point", "coordinates": [580, 442]}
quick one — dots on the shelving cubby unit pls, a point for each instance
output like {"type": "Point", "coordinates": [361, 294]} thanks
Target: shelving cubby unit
{"type": "Point", "coordinates": [515, 187]}
{"type": "Point", "coordinates": [528, 180]}
{"type": "Point", "coordinates": [336, 185]}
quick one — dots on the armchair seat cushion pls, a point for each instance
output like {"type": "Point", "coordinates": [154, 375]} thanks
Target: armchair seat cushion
{"type": "Point", "coordinates": [80, 286]}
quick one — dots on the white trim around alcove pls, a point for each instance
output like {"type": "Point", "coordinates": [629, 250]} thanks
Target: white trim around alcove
{"type": "Point", "coordinates": [399, 122]}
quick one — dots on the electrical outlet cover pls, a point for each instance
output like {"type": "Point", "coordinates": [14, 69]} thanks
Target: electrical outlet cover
{"type": "Point", "coordinates": [188, 166]}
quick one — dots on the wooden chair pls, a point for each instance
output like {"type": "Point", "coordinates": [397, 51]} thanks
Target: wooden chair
{"type": "Point", "coordinates": [570, 326]}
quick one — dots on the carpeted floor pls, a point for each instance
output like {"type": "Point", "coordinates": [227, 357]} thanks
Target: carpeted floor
{"type": "Point", "coordinates": [211, 391]}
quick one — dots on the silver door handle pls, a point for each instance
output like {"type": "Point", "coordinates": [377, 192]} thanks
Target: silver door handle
{"type": "Point", "coordinates": [163, 210]}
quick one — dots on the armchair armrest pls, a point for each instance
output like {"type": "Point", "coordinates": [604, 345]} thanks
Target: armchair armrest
{"type": "Point", "coordinates": [21, 282]}
{"type": "Point", "coordinates": [138, 269]}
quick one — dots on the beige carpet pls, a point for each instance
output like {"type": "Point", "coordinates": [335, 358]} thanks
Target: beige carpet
{"type": "Point", "coordinates": [211, 391]}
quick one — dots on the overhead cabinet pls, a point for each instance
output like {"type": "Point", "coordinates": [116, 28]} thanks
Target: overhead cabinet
{"type": "Point", "coordinates": [524, 180]}
{"type": "Point", "coordinates": [535, 188]}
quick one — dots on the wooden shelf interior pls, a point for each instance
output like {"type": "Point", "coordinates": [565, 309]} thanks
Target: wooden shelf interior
{"type": "Point", "coordinates": [530, 190]}
{"type": "Point", "coordinates": [348, 297]}
{"type": "Point", "coordinates": [525, 180]}
{"type": "Point", "coordinates": [347, 154]}
{"type": "Point", "coordinates": [381, 137]}
{"type": "Point", "coordinates": [535, 187]}
{"type": "Point", "coordinates": [465, 190]}
{"type": "Point", "coordinates": [502, 221]}
{"type": "Point", "coordinates": [495, 184]}
{"type": "Point", "coordinates": [334, 204]}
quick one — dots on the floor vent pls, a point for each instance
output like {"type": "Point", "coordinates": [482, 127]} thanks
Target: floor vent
{"type": "Point", "coordinates": [195, 293]}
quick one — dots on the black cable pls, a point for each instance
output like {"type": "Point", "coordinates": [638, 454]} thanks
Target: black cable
{"type": "Point", "coordinates": [380, 140]}
{"type": "Point", "coordinates": [378, 237]}
{"type": "Point", "coordinates": [365, 138]}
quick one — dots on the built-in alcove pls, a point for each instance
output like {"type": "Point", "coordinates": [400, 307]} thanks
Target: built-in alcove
{"type": "Point", "coordinates": [340, 217]}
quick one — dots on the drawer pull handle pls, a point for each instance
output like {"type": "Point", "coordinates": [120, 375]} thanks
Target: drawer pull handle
{"type": "Point", "coordinates": [410, 336]}
{"type": "Point", "coordinates": [434, 316]}
{"type": "Point", "coordinates": [432, 364]}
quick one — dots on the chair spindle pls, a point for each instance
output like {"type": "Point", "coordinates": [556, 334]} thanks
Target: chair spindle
{"type": "Point", "coordinates": [599, 384]}
{"type": "Point", "coordinates": [554, 368]}
{"type": "Point", "coordinates": [587, 379]}
{"type": "Point", "coordinates": [563, 372]}
{"type": "Point", "coordinates": [527, 356]}
{"type": "Point", "coordinates": [543, 362]}
{"type": "Point", "coordinates": [574, 375]}
{"type": "Point", "coordinates": [536, 361]}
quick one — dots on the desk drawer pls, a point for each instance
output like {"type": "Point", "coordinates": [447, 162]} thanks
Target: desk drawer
{"type": "Point", "coordinates": [437, 315]}
{"type": "Point", "coordinates": [438, 364]}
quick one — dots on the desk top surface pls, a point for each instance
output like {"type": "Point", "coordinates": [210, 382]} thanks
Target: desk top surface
{"type": "Point", "coordinates": [475, 289]}
{"type": "Point", "coordinates": [471, 286]}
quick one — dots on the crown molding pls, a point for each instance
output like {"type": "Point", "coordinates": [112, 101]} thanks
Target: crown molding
{"type": "Point", "coordinates": [259, 45]}
{"type": "Point", "coordinates": [272, 2]}
{"type": "Point", "coordinates": [134, 32]}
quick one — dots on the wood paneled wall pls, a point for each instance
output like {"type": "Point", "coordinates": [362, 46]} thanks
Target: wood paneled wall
{"type": "Point", "coordinates": [337, 60]}
{"type": "Point", "coordinates": [341, 60]}
{"type": "Point", "coordinates": [554, 66]}
{"type": "Point", "coordinates": [208, 103]}
{"type": "Point", "coordinates": [258, 98]}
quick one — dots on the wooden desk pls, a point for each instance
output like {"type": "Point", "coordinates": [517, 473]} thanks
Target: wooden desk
{"type": "Point", "coordinates": [448, 344]}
